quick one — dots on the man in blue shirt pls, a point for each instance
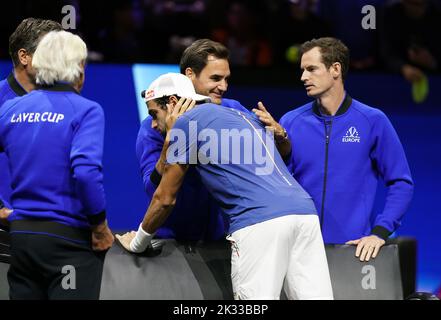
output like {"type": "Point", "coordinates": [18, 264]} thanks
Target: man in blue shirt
{"type": "Point", "coordinates": [274, 230]}
{"type": "Point", "coordinates": [22, 44]}
{"type": "Point", "coordinates": [205, 62]}
{"type": "Point", "coordinates": [53, 140]}
{"type": "Point", "coordinates": [337, 148]}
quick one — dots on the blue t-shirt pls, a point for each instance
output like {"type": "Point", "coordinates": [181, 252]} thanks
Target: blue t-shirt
{"type": "Point", "coordinates": [193, 201]}
{"type": "Point", "coordinates": [239, 165]}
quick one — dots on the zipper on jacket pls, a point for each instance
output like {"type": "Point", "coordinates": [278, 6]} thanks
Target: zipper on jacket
{"type": "Point", "coordinates": [328, 138]}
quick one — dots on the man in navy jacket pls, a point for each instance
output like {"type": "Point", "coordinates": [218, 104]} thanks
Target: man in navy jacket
{"type": "Point", "coordinates": [338, 148]}
{"type": "Point", "coordinates": [53, 140]}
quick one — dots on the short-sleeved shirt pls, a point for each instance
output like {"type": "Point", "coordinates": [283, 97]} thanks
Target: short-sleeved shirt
{"type": "Point", "coordinates": [239, 164]}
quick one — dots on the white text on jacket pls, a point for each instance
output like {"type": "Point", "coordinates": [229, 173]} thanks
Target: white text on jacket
{"type": "Point", "coordinates": [37, 117]}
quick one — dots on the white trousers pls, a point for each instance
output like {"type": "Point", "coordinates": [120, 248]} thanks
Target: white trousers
{"type": "Point", "coordinates": [285, 252]}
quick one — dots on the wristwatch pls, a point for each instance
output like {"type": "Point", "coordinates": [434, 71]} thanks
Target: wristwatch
{"type": "Point", "coordinates": [284, 137]}
{"type": "Point", "coordinates": [285, 134]}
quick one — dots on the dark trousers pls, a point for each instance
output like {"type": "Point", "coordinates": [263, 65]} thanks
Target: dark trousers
{"type": "Point", "coordinates": [47, 267]}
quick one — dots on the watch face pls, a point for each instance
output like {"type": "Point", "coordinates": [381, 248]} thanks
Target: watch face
{"type": "Point", "coordinates": [285, 134]}
{"type": "Point", "coordinates": [281, 138]}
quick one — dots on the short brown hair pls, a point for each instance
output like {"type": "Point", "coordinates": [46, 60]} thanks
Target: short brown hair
{"type": "Point", "coordinates": [195, 56]}
{"type": "Point", "coordinates": [332, 50]}
{"type": "Point", "coordinates": [162, 101]}
{"type": "Point", "coordinates": [28, 34]}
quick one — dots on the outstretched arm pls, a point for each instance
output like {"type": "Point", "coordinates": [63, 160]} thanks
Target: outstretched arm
{"type": "Point", "coordinates": [160, 207]}
{"type": "Point", "coordinates": [165, 197]}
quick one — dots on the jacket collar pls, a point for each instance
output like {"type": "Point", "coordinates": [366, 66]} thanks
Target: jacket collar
{"type": "Point", "coordinates": [58, 86]}
{"type": "Point", "coordinates": [15, 86]}
{"type": "Point", "coordinates": [341, 110]}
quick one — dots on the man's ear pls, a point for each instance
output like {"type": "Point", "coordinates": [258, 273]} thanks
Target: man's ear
{"type": "Point", "coordinates": [336, 70]}
{"type": "Point", "coordinates": [190, 73]}
{"type": "Point", "coordinates": [23, 57]}
{"type": "Point", "coordinates": [172, 101]}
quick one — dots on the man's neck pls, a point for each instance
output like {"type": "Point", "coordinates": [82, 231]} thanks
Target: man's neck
{"type": "Point", "coordinates": [331, 100]}
{"type": "Point", "coordinates": [23, 79]}
{"type": "Point", "coordinates": [77, 86]}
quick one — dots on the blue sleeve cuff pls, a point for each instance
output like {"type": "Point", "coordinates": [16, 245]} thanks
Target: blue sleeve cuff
{"type": "Point", "coordinates": [4, 203]}
{"type": "Point", "coordinates": [381, 232]}
{"type": "Point", "coordinates": [96, 219]}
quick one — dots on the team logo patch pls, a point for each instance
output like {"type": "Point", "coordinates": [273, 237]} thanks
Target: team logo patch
{"type": "Point", "coordinates": [352, 135]}
{"type": "Point", "coordinates": [150, 94]}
